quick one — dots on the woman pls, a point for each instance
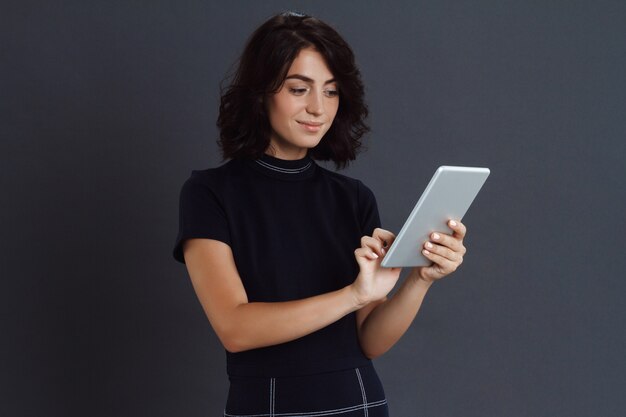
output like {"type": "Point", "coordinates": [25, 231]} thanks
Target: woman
{"type": "Point", "coordinates": [285, 255]}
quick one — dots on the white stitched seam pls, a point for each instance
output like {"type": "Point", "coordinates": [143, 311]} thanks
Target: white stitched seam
{"type": "Point", "coordinates": [285, 170]}
{"type": "Point", "coordinates": [271, 397]}
{"type": "Point", "coordinates": [358, 375]}
{"type": "Point", "coordinates": [316, 413]}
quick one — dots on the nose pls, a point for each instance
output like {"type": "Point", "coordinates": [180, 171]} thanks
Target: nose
{"type": "Point", "coordinates": [315, 103]}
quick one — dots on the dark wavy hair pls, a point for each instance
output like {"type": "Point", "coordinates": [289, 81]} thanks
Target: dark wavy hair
{"type": "Point", "coordinates": [262, 68]}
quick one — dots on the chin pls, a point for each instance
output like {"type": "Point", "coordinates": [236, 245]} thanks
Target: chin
{"type": "Point", "coordinates": [313, 145]}
{"type": "Point", "coordinates": [309, 143]}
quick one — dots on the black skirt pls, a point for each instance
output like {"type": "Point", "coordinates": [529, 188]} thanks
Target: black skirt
{"type": "Point", "coordinates": [347, 393]}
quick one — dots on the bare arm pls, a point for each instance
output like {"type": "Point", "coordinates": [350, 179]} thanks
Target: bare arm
{"type": "Point", "coordinates": [241, 325]}
{"type": "Point", "coordinates": [382, 323]}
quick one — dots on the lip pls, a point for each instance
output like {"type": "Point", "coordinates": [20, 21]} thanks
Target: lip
{"type": "Point", "coordinates": [311, 126]}
{"type": "Point", "coordinates": [317, 124]}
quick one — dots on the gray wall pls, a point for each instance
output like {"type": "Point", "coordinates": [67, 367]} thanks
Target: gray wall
{"type": "Point", "coordinates": [106, 107]}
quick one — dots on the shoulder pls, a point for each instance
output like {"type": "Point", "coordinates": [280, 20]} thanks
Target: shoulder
{"type": "Point", "coordinates": [341, 179]}
{"type": "Point", "coordinates": [353, 185]}
{"type": "Point", "coordinates": [213, 173]}
{"type": "Point", "coordinates": [211, 178]}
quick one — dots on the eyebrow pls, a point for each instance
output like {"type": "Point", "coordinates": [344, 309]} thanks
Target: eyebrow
{"type": "Point", "coordinates": [307, 79]}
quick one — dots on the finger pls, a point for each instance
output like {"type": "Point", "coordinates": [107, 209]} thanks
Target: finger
{"type": "Point", "coordinates": [385, 236]}
{"type": "Point", "coordinates": [444, 264]}
{"type": "Point", "coordinates": [366, 253]}
{"type": "Point", "coordinates": [443, 252]}
{"type": "Point", "coordinates": [456, 244]}
{"type": "Point", "coordinates": [374, 244]}
{"type": "Point", "coordinates": [459, 228]}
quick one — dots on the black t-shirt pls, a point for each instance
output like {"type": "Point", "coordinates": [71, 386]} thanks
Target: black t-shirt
{"type": "Point", "coordinates": [293, 227]}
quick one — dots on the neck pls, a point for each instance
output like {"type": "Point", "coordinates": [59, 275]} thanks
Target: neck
{"type": "Point", "coordinates": [288, 155]}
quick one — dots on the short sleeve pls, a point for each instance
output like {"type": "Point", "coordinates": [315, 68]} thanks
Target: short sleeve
{"type": "Point", "coordinates": [368, 210]}
{"type": "Point", "coordinates": [200, 216]}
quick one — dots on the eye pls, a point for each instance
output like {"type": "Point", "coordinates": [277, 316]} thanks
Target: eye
{"type": "Point", "coordinates": [298, 91]}
{"type": "Point", "coordinates": [331, 93]}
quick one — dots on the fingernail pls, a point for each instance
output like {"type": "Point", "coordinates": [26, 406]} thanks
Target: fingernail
{"type": "Point", "coordinates": [375, 256]}
{"type": "Point", "coordinates": [435, 236]}
{"type": "Point", "coordinates": [452, 223]}
{"type": "Point", "coordinates": [426, 252]}
{"type": "Point", "coordinates": [383, 251]}
{"type": "Point", "coordinates": [429, 245]}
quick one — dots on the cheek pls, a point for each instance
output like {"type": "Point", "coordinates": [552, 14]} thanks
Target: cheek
{"type": "Point", "coordinates": [283, 109]}
{"type": "Point", "coordinates": [275, 111]}
{"type": "Point", "coordinates": [333, 108]}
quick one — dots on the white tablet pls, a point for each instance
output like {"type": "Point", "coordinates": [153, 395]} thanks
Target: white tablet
{"type": "Point", "coordinates": [448, 195]}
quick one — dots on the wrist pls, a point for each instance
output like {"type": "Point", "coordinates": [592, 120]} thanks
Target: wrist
{"type": "Point", "coordinates": [358, 301]}
{"type": "Point", "coordinates": [418, 279]}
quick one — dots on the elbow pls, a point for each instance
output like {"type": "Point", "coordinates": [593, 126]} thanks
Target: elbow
{"type": "Point", "coordinates": [229, 331]}
{"type": "Point", "coordinates": [232, 340]}
{"type": "Point", "coordinates": [372, 354]}
{"type": "Point", "coordinates": [233, 344]}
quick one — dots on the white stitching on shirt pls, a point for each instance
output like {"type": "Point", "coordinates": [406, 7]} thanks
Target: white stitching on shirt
{"type": "Point", "coordinates": [272, 395]}
{"type": "Point", "coordinates": [358, 375]}
{"type": "Point", "coordinates": [285, 170]}
{"type": "Point", "coordinates": [316, 413]}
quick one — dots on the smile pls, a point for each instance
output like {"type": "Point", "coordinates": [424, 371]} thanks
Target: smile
{"type": "Point", "coordinates": [311, 126]}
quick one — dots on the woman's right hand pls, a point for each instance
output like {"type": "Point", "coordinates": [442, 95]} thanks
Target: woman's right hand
{"type": "Point", "coordinates": [374, 282]}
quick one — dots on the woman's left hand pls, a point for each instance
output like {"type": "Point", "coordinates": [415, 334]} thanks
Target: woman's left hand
{"type": "Point", "coordinates": [446, 251]}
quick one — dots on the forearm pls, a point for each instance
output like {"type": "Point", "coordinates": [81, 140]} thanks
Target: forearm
{"type": "Point", "coordinates": [386, 324]}
{"type": "Point", "coordinates": [254, 325]}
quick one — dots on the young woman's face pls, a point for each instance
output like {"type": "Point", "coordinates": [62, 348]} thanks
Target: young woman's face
{"type": "Point", "coordinates": [302, 111]}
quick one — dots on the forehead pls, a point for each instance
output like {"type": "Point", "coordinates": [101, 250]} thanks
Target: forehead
{"type": "Point", "coordinates": [311, 64]}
